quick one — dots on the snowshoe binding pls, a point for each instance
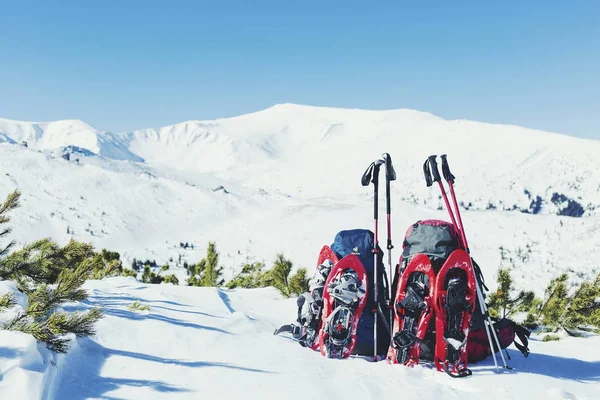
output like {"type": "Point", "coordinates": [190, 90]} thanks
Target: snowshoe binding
{"type": "Point", "coordinates": [344, 298]}
{"type": "Point", "coordinates": [413, 311]}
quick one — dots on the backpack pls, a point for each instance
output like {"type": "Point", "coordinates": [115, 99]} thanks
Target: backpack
{"type": "Point", "coordinates": [438, 239]}
{"type": "Point", "coordinates": [435, 238]}
{"type": "Point", "coordinates": [360, 242]}
{"type": "Point", "coordinates": [478, 345]}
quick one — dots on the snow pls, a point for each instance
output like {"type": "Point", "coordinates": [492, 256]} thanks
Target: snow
{"type": "Point", "coordinates": [455, 343]}
{"type": "Point", "coordinates": [290, 181]}
{"type": "Point", "coordinates": [208, 342]}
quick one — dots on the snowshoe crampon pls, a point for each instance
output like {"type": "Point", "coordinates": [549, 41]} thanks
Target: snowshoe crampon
{"type": "Point", "coordinates": [455, 294]}
{"type": "Point", "coordinates": [413, 308]}
{"type": "Point", "coordinates": [344, 298]}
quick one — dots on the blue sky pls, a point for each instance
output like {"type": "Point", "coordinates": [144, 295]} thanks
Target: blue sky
{"type": "Point", "coordinates": [121, 65]}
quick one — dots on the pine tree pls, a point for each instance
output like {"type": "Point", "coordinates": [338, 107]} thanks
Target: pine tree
{"type": "Point", "coordinates": [503, 303]}
{"type": "Point", "coordinates": [171, 279]}
{"type": "Point", "coordinates": [299, 282]}
{"type": "Point", "coordinates": [552, 310]}
{"type": "Point", "coordinates": [49, 275]}
{"type": "Point", "coordinates": [107, 263]}
{"type": "Point", "coordinates": [277, 276]}
{"type": "Point", "coordinates": [11, 203]}
{"type": "Point", "coordinates": [251, 276]}
{"type": "Point", "coordinates": [208, 272]}
{"type": "Point", "coordinates": [212, 271]}
{"type": "Point", "coordinates": [150, 277]}
{"type": "Point", "coordinates": [584, 307]}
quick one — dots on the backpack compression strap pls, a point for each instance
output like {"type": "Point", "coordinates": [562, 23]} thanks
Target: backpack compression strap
{"type": "Point", "coordinates": [523, 334]}
{"type": "Point", "coordinates": [479, 273]}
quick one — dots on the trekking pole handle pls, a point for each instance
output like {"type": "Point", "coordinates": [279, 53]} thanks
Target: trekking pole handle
{"type": "Point", "coordinates": [434, 168]}
{"type": "Point", "coordinates": [430, 167]}
{"type": "Point", "coordinates": [376, 166]}
{"type": "Point", "coordinates": [390, 173]}
{"type": "Point", "coordinates": [427, 173]}
{"type": "Point", "coordinates": [446, 169]}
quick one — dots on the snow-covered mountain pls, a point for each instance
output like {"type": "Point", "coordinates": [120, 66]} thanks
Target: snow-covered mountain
{"type": "Point", "coordinates": [53, 135]}
{"type": "Point", "coordinates": [286, 179]}
{"type": "Point", "coordinates": [519, 168]}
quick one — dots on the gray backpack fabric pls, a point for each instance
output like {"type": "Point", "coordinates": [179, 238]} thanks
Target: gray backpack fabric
{"type": "Point", "coordinates": [435, 238]}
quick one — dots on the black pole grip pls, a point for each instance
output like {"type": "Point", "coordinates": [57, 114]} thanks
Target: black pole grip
{"type": "Point", "coordinates": [434, 168]}
{"type": "Point", "coordinates": [366, 178]}
{"type": "Point", "coordinates": [446, 169]}
{"type": "Point", "coordinates": [375, 181]}
{"type": "Point", "coordinates": [390, 173]}
{"type": "Point", "coordinates": [427, 173]}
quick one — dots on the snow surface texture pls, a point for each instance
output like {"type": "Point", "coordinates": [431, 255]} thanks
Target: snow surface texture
{"type": "Point", "coordinates": [207, 343]}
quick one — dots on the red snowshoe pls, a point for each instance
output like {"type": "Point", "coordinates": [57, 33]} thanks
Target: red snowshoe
{"type": "Point", "coordinates": [455, 295]}
{"type": "Point", "coordinates": [413, 307]}
{"type": "Point", "coordinates": [344, 298]}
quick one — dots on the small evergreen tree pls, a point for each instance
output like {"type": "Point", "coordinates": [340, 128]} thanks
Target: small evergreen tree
{"type": "Point", "coordinates": [583, 311]}
{"type": "Point", "coordinates": [150, 277]}
{"type": "Point", "coordinates": [135, 265]}
{"type": "Point", "coordinates": [50, 275]}
{"type": "Point", "coordinates": [552, 310]}
{"type": "Point", "coordinates": [207, 272]}
{"type": "Point", "coordinates": [11, 202]}
{"type": "Point", "coordinates": [503, 303]}
{"type": "Point", "coordinates": [251, 276]}
{"type": "Point", "coordinates": [171, 279]}
{"type": "Point", "coordinates": [128, 272]}
{"type": "Point", "coordinates": [278, 275]}
{"type": "Point", "coordinates": [299, 282]}
{"type": "Point", "coordinates": [107, 263]}
{"type": "Point", "coordinates": [212, 271]}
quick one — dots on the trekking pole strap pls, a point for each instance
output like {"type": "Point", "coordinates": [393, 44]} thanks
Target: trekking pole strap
{"type": "Point", "coordinates": [479, 274]}
{"type": "Point", "coordinates": [366, 178]}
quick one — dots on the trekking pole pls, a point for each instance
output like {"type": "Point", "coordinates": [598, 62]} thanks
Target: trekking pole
{"type": "Point", "coordinates": [436, 178]}
{"type": "Point", "coordinates": [489, 327]}
{"type": "Point", "coordinates": [390, 175]}
{"type": "Point", "coordinates": [372, 175]}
